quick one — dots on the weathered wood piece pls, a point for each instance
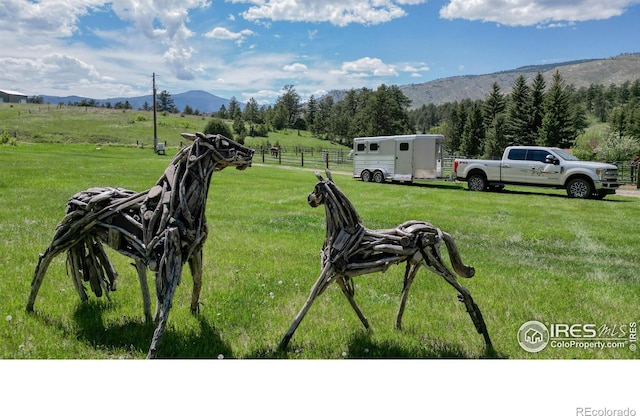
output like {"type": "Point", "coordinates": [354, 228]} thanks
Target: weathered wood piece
{"type": "Point", "coordinates": [350, 249]}
{"type": "Point", "coordinates": [160, 229]}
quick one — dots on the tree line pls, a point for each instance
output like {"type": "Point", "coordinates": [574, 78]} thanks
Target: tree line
{"type": "Point", "coordinates": [556, 115]}
{"type": "Point", "coordinates": [534, 114]}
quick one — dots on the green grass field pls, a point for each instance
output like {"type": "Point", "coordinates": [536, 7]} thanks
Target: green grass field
{"type": "Point", "coordinates": [538, 256]}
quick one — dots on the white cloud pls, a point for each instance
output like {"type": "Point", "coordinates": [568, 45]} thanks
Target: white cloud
{"type": "Point", "coordinates": [297, 67]}
{"type": "Point", "coordinates": [534, 12]}
{"type": "Point", "coordinates": [222, 33]}
{"type": "Point", "coordinates": [51, 18]}
{"type": "Point", "coordinates": [368, 66]}
{"type": "Point", "coordinates": [336, 12]}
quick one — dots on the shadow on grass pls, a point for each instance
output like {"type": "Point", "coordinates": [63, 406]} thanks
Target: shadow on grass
{"type": "Point", "coordinates": [562, 196]}
{"type": "Point", "coordinates": [361, 345]}
{"type": "Point", "coordinates": [135, 335]}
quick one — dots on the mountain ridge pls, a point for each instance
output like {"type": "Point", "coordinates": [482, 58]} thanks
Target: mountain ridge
{"type": "Point", "coordinates": [200, 100]}
{"type": "Point", "coordinates": [580, 73]}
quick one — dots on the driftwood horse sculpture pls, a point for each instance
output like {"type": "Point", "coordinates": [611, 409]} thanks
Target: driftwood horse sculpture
{"type": "Point", "coordinates": [161, 228]}
{"type": "Point", "coordinates": [350, 249]}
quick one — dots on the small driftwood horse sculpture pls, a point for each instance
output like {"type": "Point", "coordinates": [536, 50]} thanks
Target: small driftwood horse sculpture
{"type": "Point", "coordinates": [350, 249]}
{"type": "Point", "coordinates": [161, 228]}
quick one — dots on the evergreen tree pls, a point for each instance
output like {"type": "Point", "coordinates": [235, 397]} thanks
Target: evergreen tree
{"type": "Point", "coordinates": [222, 112]}
{"type": "Point", "coordinates": [519, 127]}
{"type": "Point", "coordinates": [557, 124]}
{"type": "Point", "coordinates": [496, 140]}
{"type": "Point", "coordinates": [537, 105]}
{"type": "Point", "coordinates": [289, 102]}
{"type": "Point", "coordinates": [322, 120]}
{"type": "Point", "coordinates": [473, 135]}
{"type": "Point", "coordinates": [494, 104]}
{"type": "Point", "coordinates": [310, 112]}
{"type": "Point", "coordinates": [233, 107]}
{"type": "Point", "coordinates": [164, 102]}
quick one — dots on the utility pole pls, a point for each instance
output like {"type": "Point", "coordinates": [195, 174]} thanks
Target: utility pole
{"type": "Point", "coordinates": [155, 127]}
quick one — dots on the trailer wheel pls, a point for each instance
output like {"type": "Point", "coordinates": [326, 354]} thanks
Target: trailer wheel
{"type": "Point", "coordinates": [579, 188]}
{"type": "Point", "coordinates": [378, 176]}
{"type": "Point", "coordinates": [477, 182]}
{"type": "Point", "coordinates": [365, 175]}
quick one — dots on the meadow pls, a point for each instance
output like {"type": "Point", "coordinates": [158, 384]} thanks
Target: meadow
{"type": "Point", "coordinates": [538, 256]}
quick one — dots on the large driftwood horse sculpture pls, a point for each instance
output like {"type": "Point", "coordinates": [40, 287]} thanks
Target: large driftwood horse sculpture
{"type": "Point", "coordinates": [350, 249]}
{"type": "Point", "coordinates": [161, 228]}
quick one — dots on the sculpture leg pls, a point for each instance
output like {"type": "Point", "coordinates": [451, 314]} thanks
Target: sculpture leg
{"type": "Point", "coordinates": [141, 268]}
{"type": "Point", "coordinates": [169, 278]}
{"type": "Point", "coordinates": [433, 262]}
{"type": "Point", "coordinates": [348, 292]}
{"type": "Point", "coordinates": [38, 276]}
{"type": "Point", "coordinates": [409, 275]}
{"type": "Point", "coordinates": [474, 311]}
{"type": "Point", "coordinates": [195, 264]}
{"type": "Point", "coordinates": [319, 286]}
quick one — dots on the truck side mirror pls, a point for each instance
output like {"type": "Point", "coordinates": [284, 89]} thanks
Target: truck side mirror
{"type": "Point", "coordinates": [551, 159]}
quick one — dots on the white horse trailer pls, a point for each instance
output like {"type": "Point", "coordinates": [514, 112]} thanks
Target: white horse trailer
{"type": "Point", "coordinates": [405, 158]}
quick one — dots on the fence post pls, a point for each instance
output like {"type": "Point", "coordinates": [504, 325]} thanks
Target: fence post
{"type": "Point", "coordinates": [280, 155]}
{"type": "Point", "coordinates": [302, 158]}
{"type": "Point", "coordinates": [263, 155]}
{"type": "Point", "coordinates": [326, 157]}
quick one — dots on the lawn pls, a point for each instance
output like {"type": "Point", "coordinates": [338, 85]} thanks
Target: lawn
{"type": "Point", "coordinates": [538, 256]}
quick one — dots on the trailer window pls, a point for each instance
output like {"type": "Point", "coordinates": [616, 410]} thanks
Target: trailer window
{"type": "Point", "coordinates": [404, 146]}
{"type": "Point", "coordinates": [360, 147]}
{"type": "Point", "coordinates": [373, 147]}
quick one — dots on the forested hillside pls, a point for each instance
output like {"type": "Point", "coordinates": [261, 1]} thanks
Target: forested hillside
{"type": "Point", "coordinates": [615, 70]}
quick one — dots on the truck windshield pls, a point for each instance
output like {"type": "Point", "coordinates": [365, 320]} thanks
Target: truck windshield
{"type": "Point", "coordinates": [565, 155]}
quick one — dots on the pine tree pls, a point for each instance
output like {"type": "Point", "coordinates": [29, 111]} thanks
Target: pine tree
{"type": "Point", "coordinates": [537, 105]}
{"type": "Point", "coordinates": [473, 136]}
{"type": "Point", "coordinates": [494, 105]}
{"type": "Point", "coordinates": [519, 127]}
{"type": "Point", "coordinates": [496, 139]}
{"type": "Point", "coordinates": [557, 124]}
{"type": "Point", "coordinates": [310, 112]}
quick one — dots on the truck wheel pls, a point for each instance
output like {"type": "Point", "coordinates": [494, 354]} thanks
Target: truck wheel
{"type": "Point", "coordinates": [477, 182]}
{"type": "Point", "coordinates": [579, 188]}
{"type": "Point", "coordinates": [378, 177]}
{"type": "Point", "coordinates": [365, 175]}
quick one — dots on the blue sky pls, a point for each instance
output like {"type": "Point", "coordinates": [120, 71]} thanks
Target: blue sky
{"type": "Point", "coordinates": [253, 48]}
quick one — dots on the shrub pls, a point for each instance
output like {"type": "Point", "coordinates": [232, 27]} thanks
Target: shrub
{"type": "Point", "coordinates": [217, 126]}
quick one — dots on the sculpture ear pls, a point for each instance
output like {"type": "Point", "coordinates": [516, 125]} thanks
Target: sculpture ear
{"type": "Point", "coordinates": [188, 136]}
{"type": "Point", "coordinates": [319, 176]}
{"type": "Point", "coordinates": [328, 172]}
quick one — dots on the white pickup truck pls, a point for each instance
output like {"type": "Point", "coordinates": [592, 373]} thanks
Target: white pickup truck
{"type": "Point", "coordinates": [539, 166]}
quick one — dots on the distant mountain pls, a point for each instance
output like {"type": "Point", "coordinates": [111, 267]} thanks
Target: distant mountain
{"type": "Point", "coordinates": [582, 73]}
{"type": "Point", "coordinates": [197, 100]}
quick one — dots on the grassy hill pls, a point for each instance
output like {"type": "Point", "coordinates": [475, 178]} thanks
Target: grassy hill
{"type": "Point", "coordinates": [43, 123]}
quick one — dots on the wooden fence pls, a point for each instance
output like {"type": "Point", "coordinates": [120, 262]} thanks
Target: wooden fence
{"type": "Point", "coordinates": [340, 159]}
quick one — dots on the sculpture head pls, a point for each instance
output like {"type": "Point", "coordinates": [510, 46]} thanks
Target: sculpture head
{"type": "Point", "coordinates": [318, 195]}
{"type": "Point", "coordinates": [225, 152]}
